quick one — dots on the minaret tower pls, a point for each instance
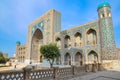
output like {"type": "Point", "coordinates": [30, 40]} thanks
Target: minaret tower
{"type": "Point", "coordinates": [17, 49]}
{"type": "Point", "coordinates": [108, 51]}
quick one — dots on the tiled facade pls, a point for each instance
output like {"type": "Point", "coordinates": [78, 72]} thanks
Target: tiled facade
{"type": "Point", "coordinates": [21, 52]}
{"type": "Point", "coordinates": [88, 43]}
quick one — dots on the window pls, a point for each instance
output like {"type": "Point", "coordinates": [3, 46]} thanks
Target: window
{"type": "Point", "coordinates": [109, 14]}
{"type": "Point", "coordinates": [103, 15]}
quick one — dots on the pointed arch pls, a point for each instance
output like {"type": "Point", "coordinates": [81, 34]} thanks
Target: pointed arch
{"type": "Point", "coordinates": [58, 41]}
{"type": "Point", "coordinates": [91, 37]}
{"type": "Point", "coordinates": [37, 35]}
{"type": "Point", "coordinates": [79, 58]}
{"type": "Point", "coordinates": [92, 57]}
{"type": "Point", "coordinates": [78, 39]}
{"type": "Point", "coordinates": [37, 41]}
{"type": "Point", "coordinates": [67, 58]}
{"type": "Point", "coordinates": [67, 41]}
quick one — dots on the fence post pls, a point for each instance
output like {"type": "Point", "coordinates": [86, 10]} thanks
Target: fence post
{"type": "Point", "coordinates": [56, 73]}
{"type": "Point", "coordinates": [26, 73]}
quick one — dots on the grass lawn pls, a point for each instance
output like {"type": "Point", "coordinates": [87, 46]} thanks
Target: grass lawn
{"type": "Point", "coordinates": [4, 66]}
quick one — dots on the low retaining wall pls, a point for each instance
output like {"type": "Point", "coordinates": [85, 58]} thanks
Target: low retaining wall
{"type": "Point", "coordinates": [50, 74]}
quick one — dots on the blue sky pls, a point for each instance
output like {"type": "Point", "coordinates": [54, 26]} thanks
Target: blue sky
{"type": "Point", "coordinates": [16, 15]}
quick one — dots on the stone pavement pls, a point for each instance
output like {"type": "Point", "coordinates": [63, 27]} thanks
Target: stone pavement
{"type": "Point", "coordinates": [101, 75]}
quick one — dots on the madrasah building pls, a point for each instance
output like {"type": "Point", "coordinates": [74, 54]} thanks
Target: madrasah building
{"type": "Point", "coordinates": [87, 43]}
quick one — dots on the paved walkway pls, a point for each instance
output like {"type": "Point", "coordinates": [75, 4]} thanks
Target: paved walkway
{"type": "Point", "coordinates": [101, 75]}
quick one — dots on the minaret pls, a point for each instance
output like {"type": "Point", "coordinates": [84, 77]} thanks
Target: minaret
{"type": "Point", "coordinates": [17, 49]}
{"type": "Point", "coordinates": [18, 43]}
{"type": "Point", "coordinates": [108, 51]}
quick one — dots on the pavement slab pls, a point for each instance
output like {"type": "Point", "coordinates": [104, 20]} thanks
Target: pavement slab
{"type": "Point", "coordinates": [101, 75]}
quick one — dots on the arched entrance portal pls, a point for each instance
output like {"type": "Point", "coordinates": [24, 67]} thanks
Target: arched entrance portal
{"type": "Point", "coordinates": [92, 57]}
{"type": "Point", "coordinates": [37, 41]}
{"type": "Point", "coordinates": [67, 59]}
{"type": "Point", "coordinates": [78, 59]}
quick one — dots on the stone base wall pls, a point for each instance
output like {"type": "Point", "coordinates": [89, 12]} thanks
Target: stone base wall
{"type": "Point", "coordinates": [111, 64]}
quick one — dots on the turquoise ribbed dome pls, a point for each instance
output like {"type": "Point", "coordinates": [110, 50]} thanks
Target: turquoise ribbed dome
{"type": "Point", "coordinates": [18, 43]}
{"type": "Point", "coordinates": [103, 4]}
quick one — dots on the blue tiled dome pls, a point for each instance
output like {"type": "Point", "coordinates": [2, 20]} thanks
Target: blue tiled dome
{"type": "Point", "coordinates": [103, 4]}
{"type": "Point", "coordinates": [18, 42]}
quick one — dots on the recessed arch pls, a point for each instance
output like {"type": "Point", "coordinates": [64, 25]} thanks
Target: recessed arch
{"type": "Point", "coordinates": [58, 38]}
{"type": "Point", "coordinates": [79, 58]}
{"type": "Point", "coordinates": [37, 41]}
{"type": "Point", "coordinates": [58, 41]}
{"type": "Point", "coordinates": [92, 57]}
{"type": "Point", "coordinates": [67, 58]}
{"type": "Point", "coordinates": [21, 58]}
{"type": "Point", "coordinates": [38, 35]}
{"type": "Point", "coordinates": [67, 37]}
{"type": "Point", "coordinates": [91, 37]}
{"type": "Point", "coordinates": [67, 41]}
{"type": "Point", "coordinates": [78, 39]}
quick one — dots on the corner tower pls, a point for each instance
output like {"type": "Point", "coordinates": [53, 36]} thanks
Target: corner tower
{"type": "Point", "coordinates": [108, 51]}
{"type": "Point", "coordinates": [17, 49]}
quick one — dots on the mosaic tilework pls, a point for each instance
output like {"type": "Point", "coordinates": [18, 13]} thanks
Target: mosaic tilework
{"type": "Point", "coordinates": [107, 36]}
{"type": "Point", "coordinates": [40, 25]}
{"type": "Point", "coordinates": [97, 36]}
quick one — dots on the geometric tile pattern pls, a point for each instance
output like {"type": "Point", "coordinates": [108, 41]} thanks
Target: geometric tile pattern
{"type": "Point", "coordinates": [107, 35]}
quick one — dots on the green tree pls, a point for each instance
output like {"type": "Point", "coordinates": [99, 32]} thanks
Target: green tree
{"type": "Point", "coordinates": [2, 58]}
{"type": "Point", "coordinates": [50, 53]}
{"type": "Point", "coordinates": [1, 54]}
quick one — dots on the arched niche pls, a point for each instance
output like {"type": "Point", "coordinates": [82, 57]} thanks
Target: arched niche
{"type": "Point", "coordinates": [91, 37]}
{"type": "Point", "coordinates": [67, 41]}
{"type": "Point", "coordinates": [58, 41]}
{"type": "Point", "coordinates": [92, 57]}
{"type": "Point", "coordinates": [78, 39]}
{"type": "Point", "coordinates": [79, 58]}
{"type": "Point", "coordinates": [37, 41]}
{"type": "Point", "coordinates": [67, 59]}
